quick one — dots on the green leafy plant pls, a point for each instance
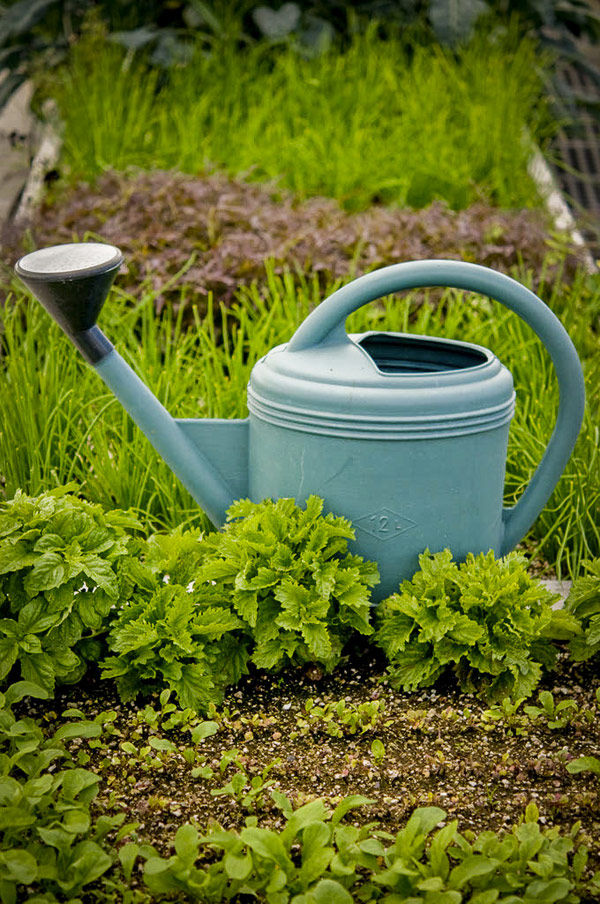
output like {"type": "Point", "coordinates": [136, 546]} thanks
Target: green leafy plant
{"type": "Point", "coordinates": [47, 840]}
{"type": "Point", "coordinates": [166, 639]}
{"type": "Point", "coordinates": [322, 125]}
{"type": "Point", "coordinates": [176, 639]}
{"type": "Point", "coordinates": [486, 619]}
{"type": "Point", "coordinates": [274, 586]}
{"type": "Point", "coordinates": [340, 717]}
{"type": "Point", "coordinates": [378, 750]}
{"type": "Point", "coordinates": [60, 575]}
{"type": "Point", "coordinates": [555, 714]}
{"type": "Point", "coordinates": [176, 556]}
{"type": "Point", "coordinates": [583, 603]}
{"type": "Point", "coordinates": [286, 574]}
{"type": "Point", "coordinates": [258, 860]}
{"type": "Point", "coordinates": [250, 791]}
{"type": "Point", "coordinates": [169, 716]}
{"type": "Point", "coordinates": [509, 713]}
{"type": "Point", "coordinates": [317, 859]}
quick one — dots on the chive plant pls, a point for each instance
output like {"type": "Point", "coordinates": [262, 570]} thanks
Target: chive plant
{"type": "Point", "coordinates": [374, 121]}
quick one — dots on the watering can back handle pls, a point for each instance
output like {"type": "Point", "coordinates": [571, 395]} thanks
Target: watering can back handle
{"type": "Point", "coordinates": [326, 325]}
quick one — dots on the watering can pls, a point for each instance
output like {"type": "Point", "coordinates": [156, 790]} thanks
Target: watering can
{"type": "Point", "coordinates": [405, 435]}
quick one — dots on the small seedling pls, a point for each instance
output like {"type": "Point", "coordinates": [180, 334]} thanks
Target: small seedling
{"type": "Point", "coordinates": [378, 750]}
{"type": "Point", "coordinates": [340, 718]}
{"type": "Point", "coordinates": [556, 715]}
{"type": "Point", "coordinates": [507, 712]}
{"type": "Point", "coordinates": [584, 764]}
{"type": "Point", "coordinates": [249, 791]}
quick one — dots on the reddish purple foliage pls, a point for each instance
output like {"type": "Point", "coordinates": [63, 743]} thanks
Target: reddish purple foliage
{"type": "Point", "coordinates": [159, 219]}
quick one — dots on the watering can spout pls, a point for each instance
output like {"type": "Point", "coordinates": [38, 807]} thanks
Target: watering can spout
{"type": "Point", "coordinates": [72, 282]}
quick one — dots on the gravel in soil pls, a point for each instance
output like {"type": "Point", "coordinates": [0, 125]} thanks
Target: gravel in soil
{"type": "Point", "coordinates": [220, 231]}
{"type": "Point", "coordinates": [439, 749]}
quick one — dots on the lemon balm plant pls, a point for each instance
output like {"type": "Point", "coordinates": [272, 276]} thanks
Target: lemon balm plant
{"type": "Point", "coordinates": [61, 565]}
{"type": "Point", "coordinates": [276, 587]}
{"type": "Point", "coordinates": [486, 619]}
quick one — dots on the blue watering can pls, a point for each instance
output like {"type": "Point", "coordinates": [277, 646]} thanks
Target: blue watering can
{"type": "Point", "coordinates": [405, 435]}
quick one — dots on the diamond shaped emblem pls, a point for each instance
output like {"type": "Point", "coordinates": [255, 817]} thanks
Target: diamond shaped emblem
{"type": "Point", "coordinates": [384, 524]}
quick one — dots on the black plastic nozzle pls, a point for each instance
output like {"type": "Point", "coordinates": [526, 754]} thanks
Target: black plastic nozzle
{"type": "Point", "coordinates": [72, 282]}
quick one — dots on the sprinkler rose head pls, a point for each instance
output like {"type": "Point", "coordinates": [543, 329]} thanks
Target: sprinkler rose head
{"type": "Point", "coordinates": [72, 282]}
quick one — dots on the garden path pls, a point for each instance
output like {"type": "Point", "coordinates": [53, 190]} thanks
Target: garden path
{"type": "Point", "coordinates": [16, 135]}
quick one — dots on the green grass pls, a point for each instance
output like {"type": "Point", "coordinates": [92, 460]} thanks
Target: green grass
{"type": "Point", "coordinates": [369, 124]}
{"type": "Point", "coordinates": [59, 423]}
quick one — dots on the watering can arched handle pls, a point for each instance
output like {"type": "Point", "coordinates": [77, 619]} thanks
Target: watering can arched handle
{"type": "Point", "coordinates": [326, 325]}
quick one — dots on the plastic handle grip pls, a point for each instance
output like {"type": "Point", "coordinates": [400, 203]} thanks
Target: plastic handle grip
{"type": "Point", "coordinates": [326, 325]}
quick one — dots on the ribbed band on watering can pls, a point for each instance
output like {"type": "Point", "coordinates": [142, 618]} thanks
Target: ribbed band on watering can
{"type": "Point", "coordinates": [444, 388]}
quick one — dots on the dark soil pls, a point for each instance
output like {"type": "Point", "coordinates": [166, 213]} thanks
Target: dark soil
{"type": "Point", "coordinates": [223, 230]}
{"type": "Point", "coordinates": [439, 750]}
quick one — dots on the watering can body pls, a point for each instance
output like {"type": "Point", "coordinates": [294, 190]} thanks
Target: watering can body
{"type": "Point", "coordinates": [408, 441]}
{"type": "Point", "coordinates": [404, 435]}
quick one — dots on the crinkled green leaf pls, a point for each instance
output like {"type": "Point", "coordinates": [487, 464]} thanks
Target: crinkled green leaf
{"type": "Point", "coordinates": [485, 618]}
{"type": "Point", "coordinates": [414, 667]}
{"type": "Point", "coordinates": [318, 641]}
{"type": "Point", "coordinates": [195, 689]}
{"type": "Point", "coordinates": [130, 637]}
{"type": "Point", "coordinates": [48, 571]}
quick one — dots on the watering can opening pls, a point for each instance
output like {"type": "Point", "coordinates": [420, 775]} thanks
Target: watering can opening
{"type": "Point", "coordinates": [397, 353]}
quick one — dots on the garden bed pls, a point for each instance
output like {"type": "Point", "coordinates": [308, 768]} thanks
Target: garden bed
{"type": "Point", "coordinates": [214, 234]}
{"type": "Point", "coordinates": [482, 765]}
{"type": "Point", "coordinates": [229, 692]}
